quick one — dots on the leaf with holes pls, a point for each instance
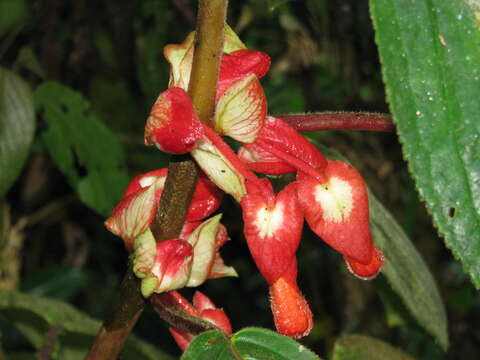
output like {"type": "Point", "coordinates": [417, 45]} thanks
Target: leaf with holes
{"type": "Point", "coordinates": [430, 58]}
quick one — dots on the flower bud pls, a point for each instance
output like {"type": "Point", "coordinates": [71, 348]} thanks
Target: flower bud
{"type": "Point", "coordinates": [173, 126]}
{"type": "Point", "coordinates": [162, 266]}
{"type": "Point", "coordinates": [202, 308]}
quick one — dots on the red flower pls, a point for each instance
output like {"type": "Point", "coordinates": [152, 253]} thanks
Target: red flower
{"type": "Point", "coordinates": [272, 227]}
{"type": "Point", "coordinates": [337, 210]}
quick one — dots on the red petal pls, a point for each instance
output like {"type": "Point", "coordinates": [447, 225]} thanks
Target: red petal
{"type": "Point", "coordinates": [182, 338]}
{"type": "Point", "coordinates": [368, 271]}
{"type": "Point", "coordinates": [337, 210]}
{"type": "Point", "coordinates": [173, 126]}
{"type": "Point", "coordinates": [206, 200]}
{"type": "Point", "coordinates": [286, 139]}
{"type": "Point", "coordinates": [219, 318]}
{"type": "Point", "coordinates": [261, 161]}
{"type": "Point", "coordinates": [240, 63]}
{"type": "Point", "coordinates": [291, 313]}
{"type": "Point", "coordinates": [172, 264]}
{"type": "Point", "coordinates": [202, 301]}
{"type": "Point", "coordinates": [273, 230]}
{"type": "Point", "coordinates": [134, 213]}
{"type": "Point", "coordinates": [145, 180]}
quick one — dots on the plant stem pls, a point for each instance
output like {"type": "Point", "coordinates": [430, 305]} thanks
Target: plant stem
{"type": "Point", "coordinates": [180, 182]}
{"type": "Point", "coordinates": [339, 121]}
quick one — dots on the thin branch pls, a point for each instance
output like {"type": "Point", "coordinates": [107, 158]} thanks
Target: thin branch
{"type": "Point", "coordinates": [339, 121]}
{"type": "Point", "coordinates": [180, 181]}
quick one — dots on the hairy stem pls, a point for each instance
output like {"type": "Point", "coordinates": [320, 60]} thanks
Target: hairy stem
{"type": "Point", "coordinates": [180, 182]}
{"type": "Point", "coordinates": [339, 121]}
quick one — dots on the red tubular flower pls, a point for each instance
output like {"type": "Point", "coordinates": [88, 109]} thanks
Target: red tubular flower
{"type": "Point", "coordinates": [291, 312]}
{"type": "Point", "coordinates": [272, 227]}
{"type": "Point", "coordinates": [337, 211]}
{"type": "Point", "coordinates": [202, 308]}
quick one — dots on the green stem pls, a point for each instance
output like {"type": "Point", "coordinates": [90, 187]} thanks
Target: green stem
{"type": "Point", "coordinates": [180, 181]}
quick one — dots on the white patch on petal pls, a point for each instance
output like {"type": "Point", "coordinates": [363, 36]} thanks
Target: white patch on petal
{"type": "Point", "coordinates": [269, 221]}
{"type": "Point", "coordinates": [336, 199]}
{"type": "Point", "coordinates": [147, 181]}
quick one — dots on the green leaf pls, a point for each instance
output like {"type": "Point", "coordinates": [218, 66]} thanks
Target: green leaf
{"type": "Point", "coordinates": [17, 126]}
{"type": "Point", "coordinates": [407, 272]}
{"type": "Point", "coordinates": [359, 347]}
{"type": "Point", "coordinates": [249, 344]}
{"type": "Point", "coordinates": [35, 317]}
{"type": "Point", "coordinates": [210, 345]}
{"type": "Point", "coordinates": [264, 344]}
{"type": "Point", "coordinates": [405, 269]}
{"type": "Point", "coordinates": [82, 147]}
{"type": "Point", "coordinates": [56, 281]}
{"type": "Point", "coordinates": [430, 54]}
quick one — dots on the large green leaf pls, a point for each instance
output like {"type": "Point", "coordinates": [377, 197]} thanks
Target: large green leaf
{"type": "Point", "coordinates": [78, 143]}
{"type": "Point", "coordinates": [407, 272]}
{"type": "Point", "coordinates": [36, 317]}
{"type": "Point", "coordinates": [430, 54]}
{"type": "Point", "coordinates": [249, 344]}
{"type": "Point", "coordinates": [17, 126]}
{"type": "Point", "coordinates": [359, 347]}
{"type": "Point", "coordinates": [405, 269]}
{"type": "Point", "coordinates": [264, 344]}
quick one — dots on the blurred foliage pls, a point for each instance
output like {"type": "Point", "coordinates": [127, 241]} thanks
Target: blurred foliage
{"type": "Point", "coordinates": [107, 56]}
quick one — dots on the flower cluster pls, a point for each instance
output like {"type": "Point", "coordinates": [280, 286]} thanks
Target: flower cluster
{"type": "Point", "coordinates": [330, 195]}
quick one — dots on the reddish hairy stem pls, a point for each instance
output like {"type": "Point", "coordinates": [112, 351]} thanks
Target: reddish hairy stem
{"type": "Point", "coordinates": [339, 121]}
{"type": "Point", "coordinates": [180, 182]}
